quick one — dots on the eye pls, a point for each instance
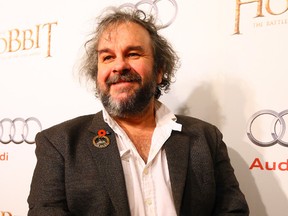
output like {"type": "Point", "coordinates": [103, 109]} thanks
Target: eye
{"type": "Point", "coordinates": [107, 58]}
{"type": "Point", "coordinates": [133, 55]}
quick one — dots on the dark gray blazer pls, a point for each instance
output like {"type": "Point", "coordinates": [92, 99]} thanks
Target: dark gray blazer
{"type": "Point", "coordinates": [73, 177]}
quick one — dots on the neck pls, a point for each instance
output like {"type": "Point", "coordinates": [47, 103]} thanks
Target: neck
{"type": "Point", "coordinates": [140, 128]}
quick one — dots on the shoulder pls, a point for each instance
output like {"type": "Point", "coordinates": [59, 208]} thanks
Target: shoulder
{"type": "Point", "coordinates": [71, 126]}
{"type": "Point", "coordinates": [191, 123]}
{"type": "Point", "coordinates": [197, 127]}
{"type": "Point", "coordinates": [79, 121]}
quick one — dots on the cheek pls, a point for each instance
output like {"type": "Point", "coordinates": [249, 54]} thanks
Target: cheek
{"type": "Point", "coordinates": [143, 69]}
{"type": "Point", "coordinates": [103, 73]}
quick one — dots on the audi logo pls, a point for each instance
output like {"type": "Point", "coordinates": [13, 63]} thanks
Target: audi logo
{"type": "Point", "coordinates": [19, 130]}
{"type": "Point", "coordinates": [152, 6]}
{"type": "Point", "coordinates": [278, 128]}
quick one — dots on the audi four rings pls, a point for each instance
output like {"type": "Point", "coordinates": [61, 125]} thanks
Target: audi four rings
{"type": "Point", "coordinates": [277, 136]}
{"type": "Point", "coordinates": [19, 130]}
{"type": "Point", "coordinates": [154, 7]}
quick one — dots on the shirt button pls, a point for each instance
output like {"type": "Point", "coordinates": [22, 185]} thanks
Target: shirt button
{"type": "Point", "coordinates": [146, 171]}
{"type": "Point", "coordinates": [148, 202]}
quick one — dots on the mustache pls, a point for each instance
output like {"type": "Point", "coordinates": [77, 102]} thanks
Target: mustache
{"type": "Point", "coordinates": [125, 77]}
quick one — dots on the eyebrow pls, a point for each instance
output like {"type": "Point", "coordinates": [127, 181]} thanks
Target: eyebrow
{"type": "Point", "coordinates": [137, 48]}
{"type": "Point", "coordinates": [129, 48]}
{"type": "Point", "coordinates": [106, 50]}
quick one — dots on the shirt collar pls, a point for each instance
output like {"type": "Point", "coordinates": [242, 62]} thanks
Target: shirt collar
{"type": "Point", "coordinates": [163, 116]}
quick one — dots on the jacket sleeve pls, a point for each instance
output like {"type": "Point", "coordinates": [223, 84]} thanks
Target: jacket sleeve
{"type": "Point", "coordinates": [229, 198]}
{"type": "Point", "coordinates": [47, 192]}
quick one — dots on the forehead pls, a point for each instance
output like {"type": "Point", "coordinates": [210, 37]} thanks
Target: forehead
{"type": "Point", "coordinates": [124, 33]}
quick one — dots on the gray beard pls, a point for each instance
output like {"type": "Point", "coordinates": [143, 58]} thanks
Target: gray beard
{"type": "Point", "coordinates": [134, 105]}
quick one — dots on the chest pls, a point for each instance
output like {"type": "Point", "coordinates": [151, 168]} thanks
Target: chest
{"type": "Point", "coordinates": [142, 142]}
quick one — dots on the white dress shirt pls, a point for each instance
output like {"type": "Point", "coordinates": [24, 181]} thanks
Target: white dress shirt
{"type": "Point", "coordinates": [148, 185]}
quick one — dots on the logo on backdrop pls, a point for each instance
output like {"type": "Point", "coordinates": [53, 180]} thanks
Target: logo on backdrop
{"type": "Point", "coordinates": [19, 130]}
{"type": "Point", "coordinates": [273, 8]}
{"type": "Point", "coordinates": [277, 128]}
{"type": "Point", "coordinates": [27, 41]}
{"type": "Point", "coordinates": [153, 8]}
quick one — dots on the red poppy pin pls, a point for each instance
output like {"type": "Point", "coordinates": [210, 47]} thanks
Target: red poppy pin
{"type": "Point", "coordinates": [101, 140]}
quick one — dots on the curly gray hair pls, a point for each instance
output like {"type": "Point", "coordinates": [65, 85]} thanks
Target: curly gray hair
{"type": "Point", "coordinates": [165, 58]}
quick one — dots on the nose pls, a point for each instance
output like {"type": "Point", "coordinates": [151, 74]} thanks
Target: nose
{"type": "Point", "coordinates": [121, 65]}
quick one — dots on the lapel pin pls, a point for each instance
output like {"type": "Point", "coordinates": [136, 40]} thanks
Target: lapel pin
{"type": "Point", "coordinates": [101, 140]}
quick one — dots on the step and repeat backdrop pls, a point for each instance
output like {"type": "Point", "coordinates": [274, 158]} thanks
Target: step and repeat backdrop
{"type": "Point", "coordinates": [233, 74]}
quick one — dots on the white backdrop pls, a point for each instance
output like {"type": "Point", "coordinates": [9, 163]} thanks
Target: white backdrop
{"type": "Point", "coordinates": [233, 65]}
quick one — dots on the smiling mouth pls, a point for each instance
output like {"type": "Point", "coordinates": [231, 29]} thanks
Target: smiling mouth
{"type": "Point", "coordinates": [120, 80]}
{"type": "Point", "coordinates": [122, 83]}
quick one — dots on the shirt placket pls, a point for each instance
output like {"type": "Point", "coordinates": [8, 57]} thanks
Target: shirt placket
{"type": "Point", "coordinates": [148, 190]}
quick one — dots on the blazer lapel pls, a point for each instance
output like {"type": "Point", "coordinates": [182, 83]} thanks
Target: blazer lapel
{"type": "Point", "coordinates": [177, 151]}
{"type": "Point", "coordinates": [109, 163]}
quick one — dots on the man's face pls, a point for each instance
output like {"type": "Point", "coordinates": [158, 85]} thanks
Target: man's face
{"type": "Point", "coordinates": [126, 81]}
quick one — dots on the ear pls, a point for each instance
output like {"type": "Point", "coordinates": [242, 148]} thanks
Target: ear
{"type": "Point", "coordinates": [159, 76]}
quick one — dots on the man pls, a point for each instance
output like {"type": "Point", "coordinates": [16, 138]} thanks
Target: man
{"type": "Point", "coordinates": [135, 157]}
